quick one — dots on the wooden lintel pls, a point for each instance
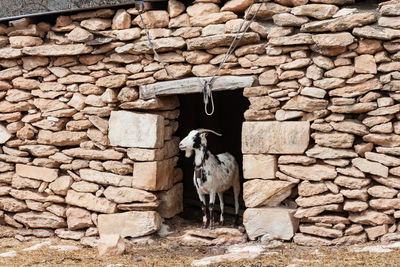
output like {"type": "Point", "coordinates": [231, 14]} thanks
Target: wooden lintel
{"type": "Point", "coordinates": [194, 85]}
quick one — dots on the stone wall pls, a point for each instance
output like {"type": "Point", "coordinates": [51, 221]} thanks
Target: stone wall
{"type": "Point", "coordinates": [325, 121]}
{"type": "Point", "coordinates": [88, 141]}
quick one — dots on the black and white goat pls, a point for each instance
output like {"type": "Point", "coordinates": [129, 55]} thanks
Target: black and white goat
{"type": "Point", "coordinates": [213, 174]}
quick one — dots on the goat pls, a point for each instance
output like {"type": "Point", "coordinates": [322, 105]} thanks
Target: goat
{"type": "Point", "coordinates": [213, 174]}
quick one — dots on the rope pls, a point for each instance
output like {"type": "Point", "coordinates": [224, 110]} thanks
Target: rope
{"type": "Point", "coordinates": [140, 10]}
{"type": "Point", "coordinates": [207, 91]}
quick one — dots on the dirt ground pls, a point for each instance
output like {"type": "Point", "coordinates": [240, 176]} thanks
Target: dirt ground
{"type": "Point", "coordinates": [168, 252]}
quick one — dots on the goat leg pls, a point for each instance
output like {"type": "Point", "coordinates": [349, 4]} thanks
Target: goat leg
{"type": "Point", "coordinates": [211, 208]}
{"type": "Point", "coordinates": [204, 209]}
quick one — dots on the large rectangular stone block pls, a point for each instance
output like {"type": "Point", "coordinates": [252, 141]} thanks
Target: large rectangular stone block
{"type": "Point", "coordinates": [288, 137]}
{"type": "Point", "coordinates": [132, 223]}
{"type": "Point", "coordinates": [38, 173]}
{"type": "Point", "coordinates": [132, 129]}
{"type": "Point", "coordinates": [169, 150]}
{"type": "Point", "coordinates": [154, 175]}
{"type": "Point", "coordinates": [277, 223]}
{"type": "Point", "coordinates": [259, 166]}
{"type": "Point", "coordinates": [171, 201]}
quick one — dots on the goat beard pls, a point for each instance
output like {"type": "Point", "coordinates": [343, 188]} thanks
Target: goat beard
{"type": "Point", "coordinates": [188, 153]}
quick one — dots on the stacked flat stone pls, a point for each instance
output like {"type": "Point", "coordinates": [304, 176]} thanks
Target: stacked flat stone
{"type": "Point", "coordinates": [335, 73]}
{"type": "Point", "coordinates": [80, 150]}
{"type": "Point", "coordinates": [83, 149]}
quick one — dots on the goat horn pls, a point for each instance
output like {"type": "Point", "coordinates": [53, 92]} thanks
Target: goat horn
{"type": "Point", "coordinates": [202, 130]}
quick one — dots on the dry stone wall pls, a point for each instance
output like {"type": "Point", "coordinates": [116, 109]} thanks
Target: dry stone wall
{"type": "Point", "coordinates": [325, 121]}
{"type": "Point", "coordinates": [86, 145]}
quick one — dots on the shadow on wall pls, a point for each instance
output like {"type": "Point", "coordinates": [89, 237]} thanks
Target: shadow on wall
{"type": "Point", "coordinates": [227, 120]}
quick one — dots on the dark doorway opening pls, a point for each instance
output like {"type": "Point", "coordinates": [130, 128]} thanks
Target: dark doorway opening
{"type": "Point", "coordinates": [227, 120]}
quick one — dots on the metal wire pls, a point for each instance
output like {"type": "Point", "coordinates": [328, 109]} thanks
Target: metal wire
{"type": "Point", "coordinates": [207, 88]}
{"type": "Point", "coordinates": [140, 10]}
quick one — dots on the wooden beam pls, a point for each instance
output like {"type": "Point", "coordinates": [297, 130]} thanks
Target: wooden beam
{"type": "Point", "coordinates": [194, 85]}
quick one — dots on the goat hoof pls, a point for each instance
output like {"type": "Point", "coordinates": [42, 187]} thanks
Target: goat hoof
{"type": "Point", "coordinates": [204, 226]}
{"type": "Point", "coordinates": [221, 223]}
{"type": "Point", "coordinates": [212, 227]}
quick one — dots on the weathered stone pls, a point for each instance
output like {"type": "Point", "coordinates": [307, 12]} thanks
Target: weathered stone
{"type": "Point", "coordinates": [175, 8]}
{"type": "Point", "coordinates": [155, 175]}
{"type": "Point", "coordinates": [169, 150]}
{"type": "Point", "coordinates": [12, 205]}
{"type": "Point", "coordinates": [67, 234]}
{"type": "Point", "coordinates": [388, 140]}
{"type": "Point", "coordinates": [126, 195]}
{"type": "Point", "coordinates": [38, 173]}
{"type": "Point", "coordinates": [320, 231]}
{"type": "Point", "coordinates": [333, 40]}
{"type": "Point", "coordinates": [271, 194]}
{"type": "Point", "coordinates": [384, 203]}
{"type": "Point", "coordinates": [297, 39]}
{"type": "Point", "coordinates": [350, 240]}
{"type": "Point", "coordinates": [129, 224]}
{"type": "Point", "coordinates": [391, 181]}
{"type": "Point", "coordinates": [61, 185]}
{"type": "Point", "coordinates": [314, 172]}
{"type": "Point", "coordinates": [305, 104]}
{"type": "Point", "coordinates": [57, 50]}
{"type": "Point", "coordinates": [392, 22]}
{"type": "Point", "coordinates": [78, 218]}
{"type": "Point", "coordinates": [335, 140]}
{"type": "Point", "coordinates": [350, 182]}
{"type": "Point", "coordinates": [311, 241]}
{"type": "Point", "coordinates": [340, 24]}
{"type": "Point", "coordinates": [5, 135]}
{"type": "Point", "coordinates": [90, 202]}
{"type": "Point", "coordinates": [8, 52]}
{"type": "Point", "coordinates": [318, 11]}
{"type": "Point", "coordinates": [303, 160]}
{"type": "Point", "coordinates": [34, 219]}
{"type": "Point", "coordinates": [171, 201]}
{"type": "Point", "coordinates": [108, 154]}
{"type": "Point", "coordinates": [371, 217]}
{"type": "Point", "coordinates": [268, 77]}
{"type": "Point", "coordinates": [317, 200]}
{"type": "Point", "coordinates": [153, 19]}
{"type": "Point", "coordinates": [289, 20]}
{"type": "Point", "coordinates": [121, 20]}
{"type": "Point", "coordinates": [111, 245]}
{"type": "Point", "coordinates": [365, 64]}
{"type": "Point", "coordinates": [306, 188]}
{"type": "Point", "coordinates": [356, 90]}
{"type": "Point", "coordinates": [160, 44]}
{"type": "Point", "coordinates": [274, 222]}
{"type": "Point", "coordinates": [147, 137]}
{"type": "Point", "coordinates": [36, 196]}
{"type": "Point", "coordinates": [105, 178]}
{"type": "Point", "coordinates": [61, 138]}
{"type": "Point", "coordinates": [383, 159]}
{"type": "Point", "coordinates": [259, 166]}
{"type": "Point", "coordinates": [370, 167]}
{"type": "Point", "coordinates": [314, 211]}
{"type": "Point", "coordinates": [296, 132]}
{"type": "Point", "coordinates": [213, 41]}
{"type": "Point", "coordinates": [86, 187]}
{"type": "Point", "coordinates": [79, 35]}
{"type": "Point", "coordinates": [39, 150]}
{"type": "Point", "coordinates": [355, 108]}
{"type": "Point", "coordinates": [96, 24]}
{"type": "Point", "coordinates": [377, 231]}
{"type": "Point", "coordinates": [350, 126]}
{"type": "Point", "coordinates": [381, 191]}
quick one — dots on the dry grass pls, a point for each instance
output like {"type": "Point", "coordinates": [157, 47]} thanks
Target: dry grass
{"type": "Point", "coordinates": [164, 252]}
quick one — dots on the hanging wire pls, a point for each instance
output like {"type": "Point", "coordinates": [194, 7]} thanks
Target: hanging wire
{"type": "Point", "coordinates": [207, 85]}
{"type": "Point", "coordinates": [207, 88]}
{"type": "Point", "coordinates": [140, 10]}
